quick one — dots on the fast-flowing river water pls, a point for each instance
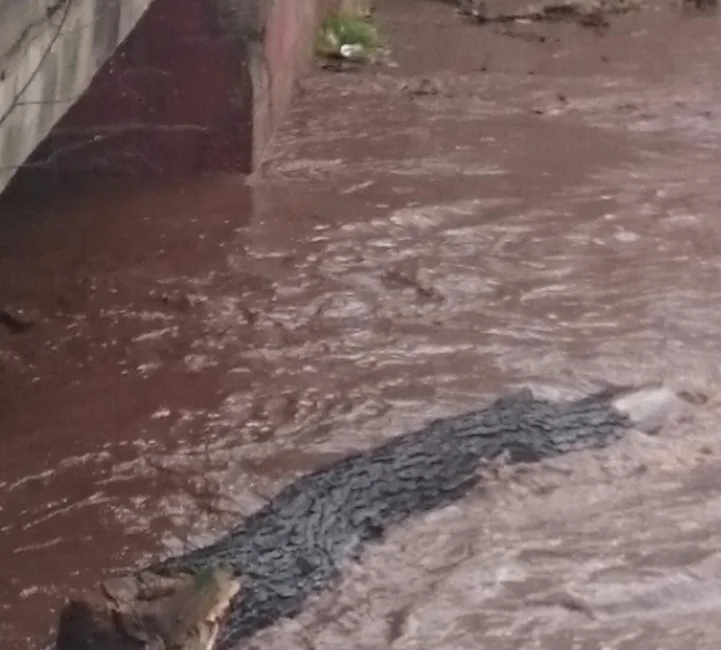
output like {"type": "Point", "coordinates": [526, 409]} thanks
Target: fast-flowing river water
{"type": "Point", "coordinates": [510, 205]}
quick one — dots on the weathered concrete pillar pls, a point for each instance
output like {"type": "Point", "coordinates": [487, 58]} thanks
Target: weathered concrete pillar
{"type": "Point", "coordinates": [198, 85]}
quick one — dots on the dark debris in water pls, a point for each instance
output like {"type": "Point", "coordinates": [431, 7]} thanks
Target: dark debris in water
{"type": "Point", "coordinates": [587, 13]}
{"type": "Point", "coordinates": [17, 320]}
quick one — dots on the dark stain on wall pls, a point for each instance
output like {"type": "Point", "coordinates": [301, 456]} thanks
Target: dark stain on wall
{"type": "Point", "coordinates": [107, 27]}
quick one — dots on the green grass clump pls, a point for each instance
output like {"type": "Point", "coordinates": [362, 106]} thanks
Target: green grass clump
{"type": "Point", "coordinates": [340, 29]}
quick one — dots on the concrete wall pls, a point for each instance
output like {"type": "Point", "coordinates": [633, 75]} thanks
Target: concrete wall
{"type": "Point", "coordinates": [49, 52]}
{"type": "Point", "coordinates": [287, 47]}
{"type": "Point", "coordinates": [198, 85]}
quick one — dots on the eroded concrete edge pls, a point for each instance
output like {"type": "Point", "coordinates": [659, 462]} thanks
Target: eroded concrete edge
{"type": "Point", "coordinates": [277, 61]}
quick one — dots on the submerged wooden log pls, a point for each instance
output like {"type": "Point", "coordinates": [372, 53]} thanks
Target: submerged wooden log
{"type": "Point", "coordinates": [294, 545]}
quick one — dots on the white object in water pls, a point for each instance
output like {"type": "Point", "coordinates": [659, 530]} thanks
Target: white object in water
{"type": "Point", "coordinates": [651, 407]}
{"type": "Point", "coordinates": [352, 51]}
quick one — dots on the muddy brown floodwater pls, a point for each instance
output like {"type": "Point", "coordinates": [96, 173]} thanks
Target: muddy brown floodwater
{"type": "Point", "coordinates": [510, 205]}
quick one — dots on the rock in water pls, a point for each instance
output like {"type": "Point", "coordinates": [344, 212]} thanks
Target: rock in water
{"type": "Point", "coordinates": [650, 408]}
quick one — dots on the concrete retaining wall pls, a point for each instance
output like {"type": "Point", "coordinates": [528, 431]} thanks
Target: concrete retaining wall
{"type": "Point", "coordinates": [49, 52]}
{"type": "Point", "coordinates": [198, 85]}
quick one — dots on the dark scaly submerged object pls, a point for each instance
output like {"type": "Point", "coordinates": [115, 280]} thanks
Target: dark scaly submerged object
{"type": "Point", "coordinates": [268, 566]}
{"type": "Point", "coordinates": [295, 544]}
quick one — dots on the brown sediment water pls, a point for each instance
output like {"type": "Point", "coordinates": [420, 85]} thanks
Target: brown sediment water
{"type": "Point", "coordinates": [507, 205]}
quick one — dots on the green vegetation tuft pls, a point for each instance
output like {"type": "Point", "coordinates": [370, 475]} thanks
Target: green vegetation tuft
{"type": "Point", "coordinates": [340, 29]}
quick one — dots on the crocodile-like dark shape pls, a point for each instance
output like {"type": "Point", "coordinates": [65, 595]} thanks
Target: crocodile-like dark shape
{"type": "Point", "coordinates": [295, 544]}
